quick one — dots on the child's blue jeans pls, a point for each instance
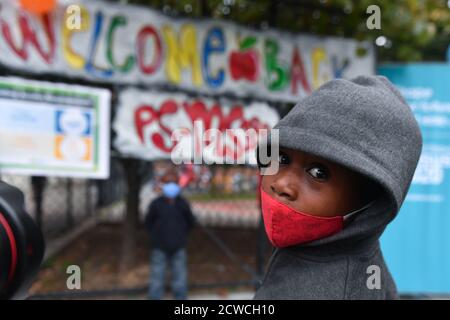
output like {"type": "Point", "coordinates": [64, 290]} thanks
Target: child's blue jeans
{"type": "Point", "coordinates": [159, 260]}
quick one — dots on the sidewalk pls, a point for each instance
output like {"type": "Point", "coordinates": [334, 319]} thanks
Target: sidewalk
{"type": "Point", "coordinates": [232, 296]}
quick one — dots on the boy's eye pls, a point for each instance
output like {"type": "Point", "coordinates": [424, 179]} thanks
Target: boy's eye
{"type": "Point", "coordinates": [284, 158]}
{"type": "Point", "coordinates": [319, 172]}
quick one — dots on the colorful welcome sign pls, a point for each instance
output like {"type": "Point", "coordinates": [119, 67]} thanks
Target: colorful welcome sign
{"type": "Point", "coordinates": [108, 42]}
{"type": "Point", "coordinates": [151, 125]}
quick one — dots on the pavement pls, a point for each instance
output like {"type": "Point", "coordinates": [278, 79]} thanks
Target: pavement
{"type": "Point", "coordinates": [248, 295]}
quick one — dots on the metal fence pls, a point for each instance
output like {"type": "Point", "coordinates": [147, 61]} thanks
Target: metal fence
{"type": "Point", "coordinates": [65, 202]}
{"type": "Point", "coordinates": [219, 196]}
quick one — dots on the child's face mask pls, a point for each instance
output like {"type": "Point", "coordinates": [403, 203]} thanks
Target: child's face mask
{"type": "Point", "coordinates": [171, 190]}
{"type": "Point", "coordinates": [287, 227]}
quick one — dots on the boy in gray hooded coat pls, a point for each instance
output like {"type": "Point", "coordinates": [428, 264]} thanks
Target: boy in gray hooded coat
{"type": "Point", "coordinates": [347, 157]}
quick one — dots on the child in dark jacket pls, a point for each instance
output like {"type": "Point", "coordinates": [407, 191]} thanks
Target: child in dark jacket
{"type": "Point", "coordinates": [168, 221]}
{"type": "Point", "coordinates": [347, 156]}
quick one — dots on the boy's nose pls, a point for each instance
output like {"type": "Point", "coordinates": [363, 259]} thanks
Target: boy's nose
{"type": "Point", "coordinates": [283, 191]}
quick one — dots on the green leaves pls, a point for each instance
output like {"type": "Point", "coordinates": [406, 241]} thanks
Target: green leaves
{"type": "Point", "coordinates": [417, 29]}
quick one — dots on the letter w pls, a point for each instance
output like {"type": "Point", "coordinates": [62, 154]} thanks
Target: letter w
{"type": "Point", "coordinates": [29, 36]}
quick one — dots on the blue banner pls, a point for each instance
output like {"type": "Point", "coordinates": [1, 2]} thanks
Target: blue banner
{"type": "Point", "coordinates": [416, 245]}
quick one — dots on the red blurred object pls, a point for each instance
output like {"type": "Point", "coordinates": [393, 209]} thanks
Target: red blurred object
{"type": "Point", "coordinates": [38, 6]}
{"type": "Point", "coordinates": [244, 65]}
{"type": "Point", "coordinates": [187, 176]}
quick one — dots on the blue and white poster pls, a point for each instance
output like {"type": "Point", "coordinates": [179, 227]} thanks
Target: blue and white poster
{"type": "Point", "coordinates": [53, 129]}
{"type": "Point", "coordinates": [417, 243]}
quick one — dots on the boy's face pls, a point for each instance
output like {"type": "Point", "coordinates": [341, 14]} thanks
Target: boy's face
{"type": "Point", "coordinates": [315, 186]}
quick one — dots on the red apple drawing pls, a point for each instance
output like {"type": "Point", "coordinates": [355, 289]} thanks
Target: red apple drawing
{"type": "Point", "coordinates": [244, 65]}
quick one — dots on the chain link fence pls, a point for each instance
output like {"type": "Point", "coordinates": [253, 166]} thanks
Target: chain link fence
{"type": "Point", "coordinates": [65, 202]}
{"type": "Point", "coordinates": [219, 195]}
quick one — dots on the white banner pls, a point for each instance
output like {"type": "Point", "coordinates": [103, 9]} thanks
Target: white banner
{"type": "Point", "coordinates": [152, 125]}
{"type": "Point", "coordinates": [53, 129]}
{"type": "Point", "coordinates": [107, 42]}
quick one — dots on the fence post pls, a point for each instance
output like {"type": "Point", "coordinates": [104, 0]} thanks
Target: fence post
{"type": "Point", "coordinates": [131, 221]}
{"type": "Point", "coordinates": [88, 208]}
{"type": "Point", "coordinates": [38, 186]}
{"type": "Point", "coordinates": [69, 208]}
{"type": "Point", "coordinates": [261, 237]}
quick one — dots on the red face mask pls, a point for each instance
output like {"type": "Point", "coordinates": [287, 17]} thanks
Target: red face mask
{"type": "Point", "coordinates": [287, 227]}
